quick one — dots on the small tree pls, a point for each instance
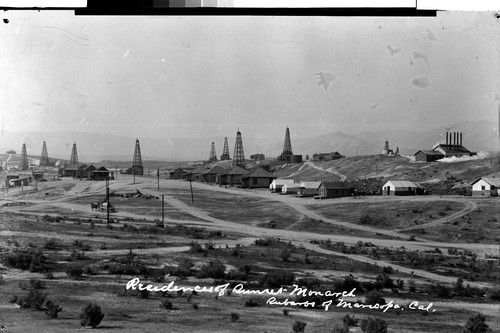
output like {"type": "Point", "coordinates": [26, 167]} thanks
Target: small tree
{"type": "Point", "coordinates": [350, 320]}
{"type": "Point", "coordinates": [75, 271]}
{"type": "Point", "coordinates": [234, 316]}
{"type": "Point", "coordinates": [373, 325]}
{"type": "Point", "coordinates": [166, 304]}
{"type": "Point", "coordinates": [91, 315]}
{"type": "Point", "coordinates": [52, 309]}
{"type": "Point", "coordinates": [299, 326]}
{"type": "Point", "coordinates": [285, 254]}
{"type": "Point", "coordinates": [373, 298]}
{"type": "Point", "coordinates": [476, 324]}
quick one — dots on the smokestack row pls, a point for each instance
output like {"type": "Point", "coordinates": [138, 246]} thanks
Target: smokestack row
{"type": "Point", "coordinates": [453, 141]}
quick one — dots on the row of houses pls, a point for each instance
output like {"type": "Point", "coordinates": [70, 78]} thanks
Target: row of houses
{"type": "Point", "coordinates": [89, 172]}
{"type": "Point", "coordinates": [325, 190]}
{"type": "Point", "coordinates": [257, 177]}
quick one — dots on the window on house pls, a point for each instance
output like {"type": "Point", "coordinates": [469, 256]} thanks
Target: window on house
{"type": "Point", "coordinates": [483, 187]}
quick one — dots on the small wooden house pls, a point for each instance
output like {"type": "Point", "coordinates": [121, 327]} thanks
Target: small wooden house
{"type": "Point", "coordinates": [308, 189]}
{"type": "Point", "coordinates": [486, 187]}
{"type": "Point", "coordinates": [334, 190]}
{"type": "Point", "coordinates": [211, 175]}
{"type": "Point", "coordinates": [401, 187]}
{"type": "Point", "coordinates": [291, 188]}
{"type": "Point", "coordinates": [100, 174]}
{"type": "Point", "coordinates": [428, 156]}
{"type": "Point", "coordinates": [233, 176]}
{"type": "Point", "coordinates": [276, 185]}
{"type": "Point", "coordinates": [258, 178]}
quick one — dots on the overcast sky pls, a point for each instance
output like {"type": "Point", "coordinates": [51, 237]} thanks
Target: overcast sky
{"type": "Point", "coordinates": [208, 76]}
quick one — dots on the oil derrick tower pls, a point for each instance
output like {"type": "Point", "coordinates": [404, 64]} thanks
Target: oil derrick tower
{"type": "Point", "coordinates": [24, 165]}
{"type": "Point", "coordinates": [137, 167]}
{"type": "Point", "coordinates": [44, 158]}
{"type": "Point", "coordinates": [387, 151]}
{"type": "Point", "coordinates": [287, 148]}
{"type": "Point", "coordinates": [213, 155]}
{"type": "Point", "coordinates": [225, 152]}
{"type": "Point", "coordinates": [73, 161]}
{"type": "Point", "coordinates": [239, 155]}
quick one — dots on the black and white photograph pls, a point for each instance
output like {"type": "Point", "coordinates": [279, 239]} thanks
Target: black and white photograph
{"type": "Point", "coordinates": [254, 172]}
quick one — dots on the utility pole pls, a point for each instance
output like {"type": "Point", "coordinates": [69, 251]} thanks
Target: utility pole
{"type": "Point", "coordinates": [107, 201]}
{"type": "Point", "coordinates": [162, 209]}
{"type": "Point", "coordinates": [116, 171]}
{"type": "Point", "coordinates": [191, 186]}
{"type": "Point", "coordinates": [158, 175]}
{"type": "Point", "coordinates": [133, 169]}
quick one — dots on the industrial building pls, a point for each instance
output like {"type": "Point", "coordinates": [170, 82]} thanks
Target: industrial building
{"type": "Point", "coordinates": [428, 156]}
{"type": "Point", "coordinates": [327, 156]}
{"type": "Point", "coordinates": [401, 187]}
{"type": "Point", "coordinates": [486, 187]}
{"type": "Point", "coordinates": [453, 146]}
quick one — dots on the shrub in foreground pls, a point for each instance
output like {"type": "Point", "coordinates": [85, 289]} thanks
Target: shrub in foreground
{"type": "Point", "coordinates": [91, 315]}
{"type": "Point", "coordinates": [476, 324]}
{"type": "Point", "coordinates": [373, 325]}
{"type": "Point", "coordinates": [52, 309]}
{"type": "Point", "coordinates": [299, 326]}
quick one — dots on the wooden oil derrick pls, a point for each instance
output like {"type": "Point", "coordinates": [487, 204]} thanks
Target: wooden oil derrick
{"type": "Point", "coordinates": [239, 155]}
{"type": "Point", "coordinates": [225, 152]}
{"type": "Point", "coordinates": [138, 168]}
{"type": "Point", "coordinates": [73, 161]}
{"type": "Point", "coordinates": [213, 155]}
{"type": "Point", "coordinates": [24, 165]}
{"type": "Point", "coordinates": [44, 157]}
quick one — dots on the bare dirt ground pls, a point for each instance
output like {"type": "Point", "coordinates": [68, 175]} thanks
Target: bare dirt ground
{"type": "Point", "coordinates": [69, 197]}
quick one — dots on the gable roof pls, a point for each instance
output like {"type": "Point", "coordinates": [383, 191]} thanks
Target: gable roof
{"type": "Point", "coordinates": [452, 148]}
{"type": "Point", "coordinates": [216, 170]}
{"type": "Point", "coordinates": [401, 183]}
{"type": "Point", "coordinates": [332, 185]}
{"type": "Point", "coordinates": [491, 181]}
{"type": "Point", "coordinates": [236, 170]}
{"type": "Point", "coordinates": [259, 173]}
{"type": "Point", "coordinates": [198, 169]}
{"type": "Point", "coordinates": [310, 184]}
{"type": "Point", "coordinates": [429, 152]}
{"type": "Point", "coordinates": [282, 181]}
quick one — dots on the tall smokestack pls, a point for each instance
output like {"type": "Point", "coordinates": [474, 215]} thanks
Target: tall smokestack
{"type": "Point", "coordinates": [446, 139]}
{"type": "Point", "coordinates": [460, 138]}
{"type": "Point", "coordinates": [454, 140]}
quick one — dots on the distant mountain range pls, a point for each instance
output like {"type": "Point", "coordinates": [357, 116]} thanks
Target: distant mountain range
{"type": "Point", "coordinates": [92, 147]}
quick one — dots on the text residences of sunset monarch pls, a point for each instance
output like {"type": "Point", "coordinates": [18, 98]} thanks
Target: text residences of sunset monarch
{"type": "Point", "coordinates": [135, 284]}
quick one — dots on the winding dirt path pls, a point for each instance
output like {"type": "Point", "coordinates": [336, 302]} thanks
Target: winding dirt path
{"type": "Point", "coordinates": [298, 237]}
